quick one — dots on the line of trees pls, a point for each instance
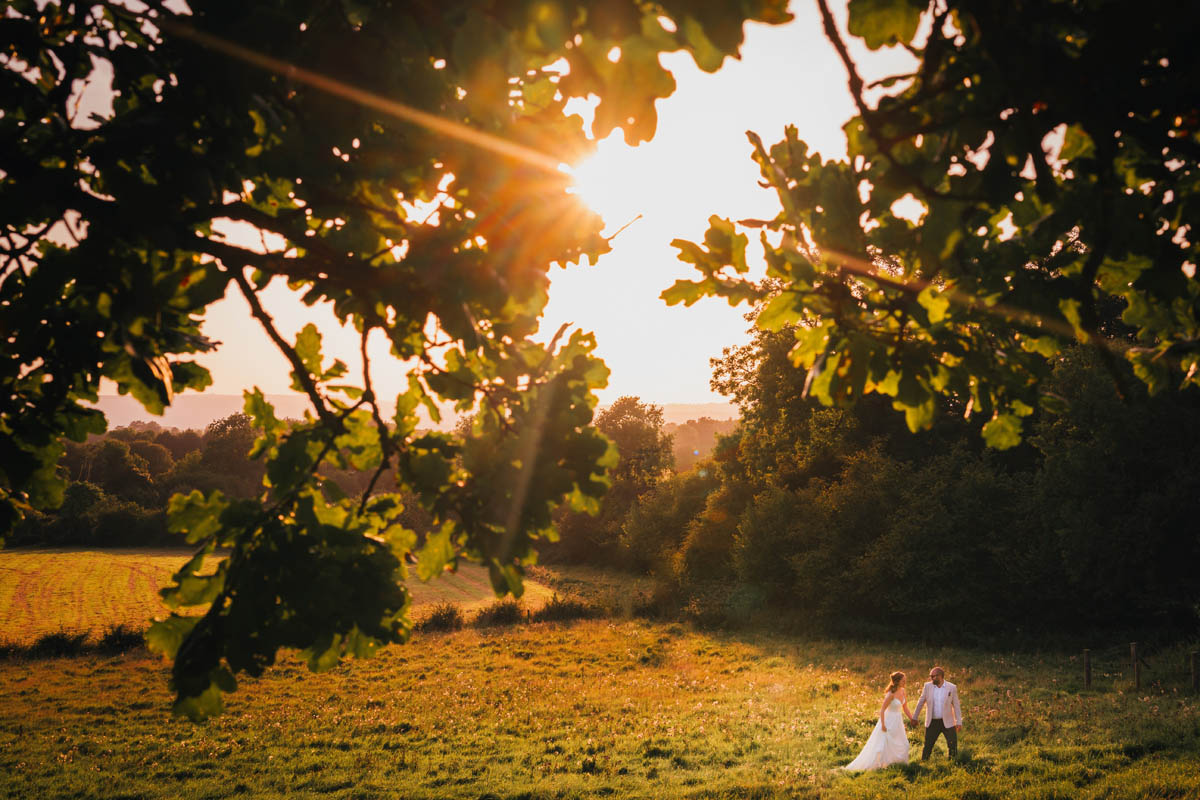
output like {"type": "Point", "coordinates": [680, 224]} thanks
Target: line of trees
{"type": "Point", "coordinates": [118, 483]}
{"type": "Point", "coordinates": [854, 524]}
{"type": "Point", "coordinates": [847, 522]}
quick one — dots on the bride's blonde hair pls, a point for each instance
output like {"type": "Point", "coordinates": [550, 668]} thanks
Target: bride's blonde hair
{"type": "Point", "coordinates": [896, 678]}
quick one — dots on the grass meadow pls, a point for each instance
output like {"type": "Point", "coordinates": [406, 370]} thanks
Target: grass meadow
{"type": "Point", "coordinates": [622, 708]}
{"type": "Point", "coordinates": [89, 591]}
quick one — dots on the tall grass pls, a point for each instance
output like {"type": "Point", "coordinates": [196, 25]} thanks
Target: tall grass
{"type": "Point", "coordinates": [501, 612]}
{"type": "Point", "coordinates": [443, 616]}
{"type": "Point", "coordinates": [565, 609]}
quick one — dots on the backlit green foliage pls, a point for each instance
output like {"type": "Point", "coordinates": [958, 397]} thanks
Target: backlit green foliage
{"type": "Point", "coordinates": [326, 126]}
{"type": "Point", "coordinates": [1050, 153]}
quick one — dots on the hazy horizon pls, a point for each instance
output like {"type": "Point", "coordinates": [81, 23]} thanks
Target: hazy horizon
{"type": "Point", "coordinates": [197, 410]}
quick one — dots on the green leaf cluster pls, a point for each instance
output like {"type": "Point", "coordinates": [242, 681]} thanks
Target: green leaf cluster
{"type": "Point", "coordinates": [325, 126]}
{"type": "Point", "coordinates": [1032, 182]}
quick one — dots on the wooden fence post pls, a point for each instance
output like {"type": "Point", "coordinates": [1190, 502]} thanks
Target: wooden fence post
{"type": "Point", "coordinates": [1087, 668]}
{"type": "Point", "coordinates": [1137, 667]}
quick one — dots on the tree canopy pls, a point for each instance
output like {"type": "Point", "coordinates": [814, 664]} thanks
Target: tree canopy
{"type": "Point", "coordinates": [643, 458]}
{"type": "Point", "coordinates": [1050, 151]}
{"type": "Point", "coordinates": [325, 125]}
{"type": "Point", "coordinates": [643, 449]}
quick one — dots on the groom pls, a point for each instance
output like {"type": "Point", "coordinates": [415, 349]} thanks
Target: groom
{"type": "Point", "coordinates": [943, 714]}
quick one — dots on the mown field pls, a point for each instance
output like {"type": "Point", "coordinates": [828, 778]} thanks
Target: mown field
{"type": "Point", "coordinates": [89, 591]}
{"type": "Point", "coordinates": [600, 708]}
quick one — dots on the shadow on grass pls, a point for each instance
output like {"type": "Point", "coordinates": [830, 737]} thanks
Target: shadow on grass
{"type": "Point", "coordinates": [62, 644]}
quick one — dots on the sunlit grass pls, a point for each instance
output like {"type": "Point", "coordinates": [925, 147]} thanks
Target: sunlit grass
{"type": "Point", "coordinates": [620, 707]}
{"type": "Point", "coordinates": [90, 591]}
{"type": "Point", "coordinates": [624, 709]}
{"type": "Point", "coordinates": [81, 591]}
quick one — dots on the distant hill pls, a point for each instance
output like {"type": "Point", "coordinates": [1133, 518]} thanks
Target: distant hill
{"type": "Point", "coordinates": [679, 413]}
{"type": "Point", "coordinates": [192, 410]}
{"type": "Point", "coordinates": [195, 410]}
{"type": "Point", "coordinates": [198, 410]}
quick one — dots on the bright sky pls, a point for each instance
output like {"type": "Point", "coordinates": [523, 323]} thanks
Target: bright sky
{"type": "Point", "coordinates": [697, 165]}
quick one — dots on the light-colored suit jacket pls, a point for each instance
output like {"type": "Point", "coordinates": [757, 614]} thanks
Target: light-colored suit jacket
{"type": "Point", "coordinates": [951, 710]}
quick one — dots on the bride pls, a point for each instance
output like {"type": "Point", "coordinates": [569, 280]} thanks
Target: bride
{"type": "Point", "coordinates": [888, 743]}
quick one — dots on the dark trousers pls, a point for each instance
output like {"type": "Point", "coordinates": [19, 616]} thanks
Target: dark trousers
{"type": "Point", "coordinates": [938, 728]}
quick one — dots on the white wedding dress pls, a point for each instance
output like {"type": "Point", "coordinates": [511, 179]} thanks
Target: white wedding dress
{"type": "Point", "coordinates": [882, 748]}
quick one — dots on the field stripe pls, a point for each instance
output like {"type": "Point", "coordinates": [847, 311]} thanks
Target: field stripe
{"type": "Point", "coordinates": [90, 591]}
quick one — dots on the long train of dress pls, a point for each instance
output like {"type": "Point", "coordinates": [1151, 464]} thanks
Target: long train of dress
{"type": "Point", "coordinates": [882, 748]}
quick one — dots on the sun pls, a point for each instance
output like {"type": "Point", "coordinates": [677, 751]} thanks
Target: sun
{"type": "Point", "coordinates": [610, 183]}
{"type": "Point", "coordinates": [659, 190]}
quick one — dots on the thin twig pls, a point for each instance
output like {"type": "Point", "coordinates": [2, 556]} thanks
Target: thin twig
{"type": "Point", "coordinates": [622, 228]}
{"type": "Point", "coordinates": [301, 371]}
{"type": "Point", "coordinates": [866, 113]}
{"type": "Point", "coordinates": [386, 445]}
{"type": "Point", "coordinates": [67, 224]}
{"type": "Point", "coordinates": [557, 334]}
{"type": "Point", "coordinates": [31, 238]}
